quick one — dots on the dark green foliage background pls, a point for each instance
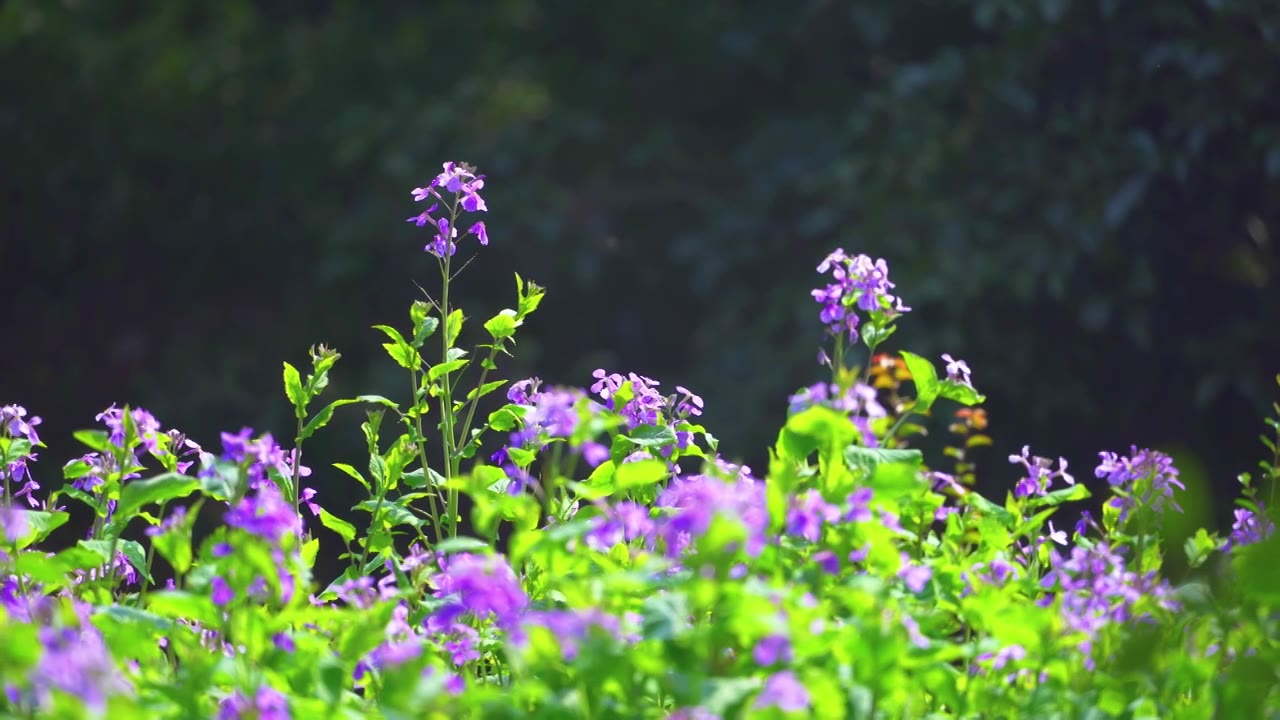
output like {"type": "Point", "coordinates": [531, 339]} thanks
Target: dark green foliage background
{"type": "Point", "coordinates": [1080, 198]}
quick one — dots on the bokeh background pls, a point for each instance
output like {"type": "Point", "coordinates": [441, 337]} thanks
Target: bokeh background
{"type": "Point", "coordinates": [1081, 198]}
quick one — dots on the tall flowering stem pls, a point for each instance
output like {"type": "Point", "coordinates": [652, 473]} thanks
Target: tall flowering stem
{"type": "Point", "coordinates": [462, 186]}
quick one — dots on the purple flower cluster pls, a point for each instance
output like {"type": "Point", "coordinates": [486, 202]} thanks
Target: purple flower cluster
{"type": "Point", "coordinates": [266, 704]}
{"type": "Point", "coordinates": [460, 180]}
{"type": "Point", "coordinates": [14, 424]}
{"type": "Point", "coordinates": [1097, 589]}
{"type": "Point", "coordinates": [75, 660]}
{"type": "Point", "coordinates": [858, 283]}
{"type": "Point", "coordinates": [1040, 474]}
{"type": "Point", "coordinates": [267, 461]}
{"type": "Point", "coordinates": [572, 627]}
{"type": "Point", "coordinates": [1146, 478]}
{"type": "Point", "coordinates": [482, 586]}
{"type": "Point", "coordinates": [266, 515]}
{"type": "Point", "coordinates": [1249, 527]}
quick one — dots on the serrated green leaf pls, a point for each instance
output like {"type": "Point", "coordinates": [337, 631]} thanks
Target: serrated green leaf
{"type": "Point", "coordinates": [293, 389]}
{"type": "Point", "coordinates": [453, 326]}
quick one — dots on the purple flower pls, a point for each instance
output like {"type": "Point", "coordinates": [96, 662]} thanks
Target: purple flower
{"type": "Point", "coordinates": [76, 661]}
{"type": "Point", "coordinates": [859, 505]}
{"type": "Point", "coordinates": [13, 423]}
{"type": "Point", "coordinates": [646, 403]}
{"type": "Point", "coordinates": [957, 370]}
{"type": "Point", "coordinates": [481, 233]}
{"type": "Point", "coordinates": [1249, 527]}
{"type": "Point", "coordinates": [1096, 588]}
{"type": "Point", "coordinates": [265, 514]}
{"type": "Point", "coordinates": [772, 649]}
{"type": "Point", "coordinates": [1040, 476]}
{"type": "Point", "coordinates": [221, 591]}
{"type": "Point", "coordinates": [481, 585]}
{"type": "Point", "coordinates": [13, 523]}
{"type": "Point", "coordinates": [267, 704]}
{"type": "Point", "coordinates": [859, 283]}
{"type": "Point", "coordinates": [808, 513]}
{"type": "Point", "coordinates": [620, 523]}
{"type": "Point", "coordinates": [783, 691]}
{"type": "Point", "coordinates": [692, 501]}
{"type": "Point", "coordinates": [916, 577]}
{"type": "Point", "coordinates": [1147, 478]}
{"type": "Point", "coordinates": [572, 627]}
{"type": "Point", "coordinates": [1003, 656]}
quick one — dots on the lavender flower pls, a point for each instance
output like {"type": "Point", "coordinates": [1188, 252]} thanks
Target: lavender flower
{"type": "Point", "coordinates": [772, 649]}
{"type": "Point", "coordinates": [77, 662]}
{"type": "Point", "coordinates": [859, 283]}
{"type": "Point", "coordinates": [692, 501]}
{"type": "Point", "coordinates": [267, 704]}
{"type": "Point", "coordinates": [1249, 527]}
{"type": "Point", "coordinates": [266, 515]}
{"type": "Point", "coordinates": [957, 370]}
{"type": "Point", "coordinates": [483, 586]}
{"type": "Point", "coordinates": [1040, 476]}
{"type": "Point", "coordinates": [1147, 478]}
{"type": "Point", "coordinates": [571, 627]}
{"type": "Point", "coordinates": [783, 691]}
{"type": "Point", "coordinates": [808, 514]}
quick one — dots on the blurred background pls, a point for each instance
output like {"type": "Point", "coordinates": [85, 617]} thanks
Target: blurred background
{"type": "Point", "coordinates": [1080, 198]}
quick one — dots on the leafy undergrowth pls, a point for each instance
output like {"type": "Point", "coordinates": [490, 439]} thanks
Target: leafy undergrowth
{"type": "Point", "coordinates": [642, 575]}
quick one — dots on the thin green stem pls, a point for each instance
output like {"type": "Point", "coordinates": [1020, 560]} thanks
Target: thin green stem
{"type": "Point", "coordinates": [422, 455]}
{"type": "Point", "coordinates": [471, 411]}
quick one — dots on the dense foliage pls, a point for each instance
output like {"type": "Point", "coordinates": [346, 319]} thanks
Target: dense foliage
{"type": "Point", "coordinates": [642, 575]}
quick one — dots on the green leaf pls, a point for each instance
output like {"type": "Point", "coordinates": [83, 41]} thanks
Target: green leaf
{"type": "Point", "coordinates": [1071, 493]}
{"type": "Point", "coordinates": [453, 327]}
{"type": "Point", "coordinates": [323, 417]}
{"type": "Point", "coordinates": [399, 349]}
{"type": "Point", "coordinates": [40, 523]}
{"type": "Point", "coordinates": [76, 469]}
{"type": "Point", "coordinates": [530, 295]}
{"type": "Point", "coordinates": [159, 489]}
{"type": "Point", "coordinates": [355, 474]}
{"type": "Point", "coordinates": [438, 371]}
{"type": "Point", "coordinates": [461, 544]}
{"type": "Point", "coordinates": [869, 458]}
{"type": "Point", "coordinates": [179, 604]}
{"type": "Point", "coordinates": [96, 439]}
{"type": "Point", "coordinates": [651, 436]}
{"type": "Point", "coordinates": [640, 473]}
{"type": "Point", "coordinates": [485, 389]}
{"type": "Point", "coordinates": [816, 428]}
{"type": "Point", "coordinates": [897, 479]}
{"type": "Point", "coordinates": [665, 616]}
{"type": "Point", "coordinates": [136, 555]}
{"type": "Point", "coordinates": [504, 418]}
{"type": "Point", "coordinates": [503, 325]}
{"type": "Point", "coordinates": [925, 377]}
{"type": "Point", "coordinates": [174, 544]}
{"type": "Point", "coordinates": [423, 324]}
{"type": "Point", "coordinates": [294, 390]}
{"type": "Point", "coordinates": [961, 393]}
{"type": "Point", "coordinates": [338, 525]}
